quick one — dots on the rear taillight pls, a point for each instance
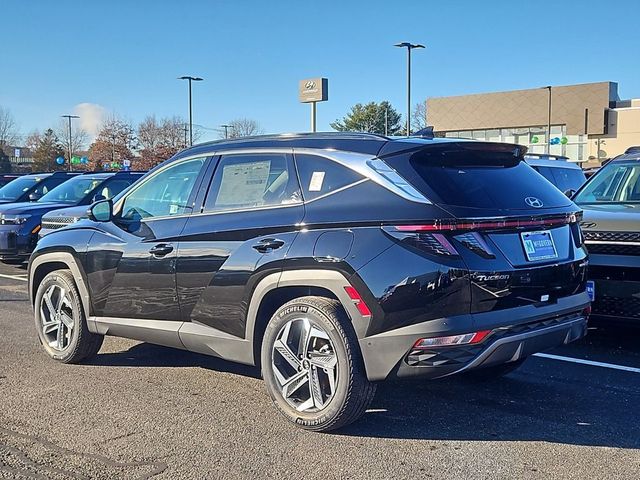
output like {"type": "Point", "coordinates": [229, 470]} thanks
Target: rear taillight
{"type": "Point", "coordinates": [490, 223]}
{"type": "Point", "coordinates": [464, 339]}
{"type": "Point", "coordinates": [433, 243]}
{"type": "Point", "coordinates": [474, 242]}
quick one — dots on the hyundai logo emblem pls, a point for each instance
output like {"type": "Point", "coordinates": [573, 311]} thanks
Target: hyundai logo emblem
{"type": "Point", "coordinates": [310, 84]}
{"type": "Point", "coordinates": [534, 202]}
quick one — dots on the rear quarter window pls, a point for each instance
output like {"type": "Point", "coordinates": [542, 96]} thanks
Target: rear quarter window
{"type": "Point", "coordinates": [320, 176]}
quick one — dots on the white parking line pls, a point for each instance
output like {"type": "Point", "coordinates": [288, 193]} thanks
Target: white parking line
{"type": "Point", "coordinates": [15, 277]}
{"type": "Point", "coordinates": [624, 368]}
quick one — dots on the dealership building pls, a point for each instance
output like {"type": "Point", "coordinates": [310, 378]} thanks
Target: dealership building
{"type": "Point", "coordinates": [589, 122]}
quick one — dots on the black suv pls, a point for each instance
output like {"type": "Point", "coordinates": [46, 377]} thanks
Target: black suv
{"type": "Point", "coordinates": [332, 261]}
{"type": "Point", "coordinates": [611, 205]}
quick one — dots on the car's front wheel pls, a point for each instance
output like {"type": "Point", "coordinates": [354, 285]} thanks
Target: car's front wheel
{"type": "Point", "coordinates": [61, 322]}
{"type": "Point", "coordinates": [312, 366]}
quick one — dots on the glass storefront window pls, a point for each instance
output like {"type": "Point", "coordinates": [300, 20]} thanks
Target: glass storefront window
{"type": "Point", "coordinates": [534, 137]}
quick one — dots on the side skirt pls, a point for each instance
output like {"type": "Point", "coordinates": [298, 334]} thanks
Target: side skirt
{"type": "Point", "coordinates": [183, 335]}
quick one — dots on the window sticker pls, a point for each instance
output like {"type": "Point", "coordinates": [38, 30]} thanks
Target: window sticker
{"type": "Point", "coordinates": [243, 184]}
{"type": "Point", "coordinates": [317, 178]}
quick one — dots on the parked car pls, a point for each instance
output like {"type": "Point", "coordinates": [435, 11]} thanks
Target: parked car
{"type": "Point", "coordinates": [567, 176]}
{"type": "Point", "coordinates": [332, 261]}
{"type": "Point", "coordinates": [611, 227]}
{"type": "Point", "coordinates": [21, 222]}
{"type": "Point", "coordinates": [29, 188]}
{"type": "Point", "coordinates": [63, 217]}
{"type": "Point", "coordinates": [8, 177]}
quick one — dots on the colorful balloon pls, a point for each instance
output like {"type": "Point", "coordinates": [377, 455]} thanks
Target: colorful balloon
{"type": "Point", "coordinates": [564, 140]}
{"type": "Point", "coordinates": [60, 160]}
{"type": "Point", "coordinates": [535, 139]}
{"type": "Point", "coordinates": [84, 160]}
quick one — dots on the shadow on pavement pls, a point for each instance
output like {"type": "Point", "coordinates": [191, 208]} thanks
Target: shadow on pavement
{"type": "Point", "coordinates": [544, 400]}
{"type": "Point", "coordinates": [149, 355]}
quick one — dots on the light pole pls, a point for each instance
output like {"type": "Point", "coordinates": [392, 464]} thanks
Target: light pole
{"type": "Point", "coordinates": [226, 130]}
{"type": "Point", "coordinates": [409, 47]}
{"type": "Point", "coordinates": [548, 87]}
{"type": "Point", "coordinates": [191, 79]}
{"type": "Point", "coordinates": [69, 117]}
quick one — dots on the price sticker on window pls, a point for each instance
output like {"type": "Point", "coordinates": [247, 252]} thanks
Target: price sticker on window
{"type": "Point", "coordinates": [317, 179]}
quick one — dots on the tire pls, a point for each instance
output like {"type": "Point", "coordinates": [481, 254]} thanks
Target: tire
{"type": "Point", "coordinates": [63, 334]}
{"type": "Point", "coordinates": [497, 371]}
{"type": "Point", "coordinates": [342, 392]}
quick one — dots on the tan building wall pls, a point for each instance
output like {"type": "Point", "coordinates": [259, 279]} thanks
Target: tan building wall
{"type": "Point", "coordinates": [521, 108]}
{"type": "Point", "coordinates": [623, 131]}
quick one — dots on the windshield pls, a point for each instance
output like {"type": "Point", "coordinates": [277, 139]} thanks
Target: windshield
{"type": "Point", "coordinates": [615, 183]}
{"type": "Point", "coordinates": [17, 188]}
{"type": "Point", "coordinates": [72, 191]}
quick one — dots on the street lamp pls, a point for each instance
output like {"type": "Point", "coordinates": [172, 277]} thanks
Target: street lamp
{"type": "Point", "coordinates": [409, 47]}
{"type": "Point", "coordinates": [548, 87]}
{"type": "Point", "coordinates": [226, 128]}
{"type": "Point", "coordinates": [69, 117]}
{"type": "Point", "coordinates": [191, 79]}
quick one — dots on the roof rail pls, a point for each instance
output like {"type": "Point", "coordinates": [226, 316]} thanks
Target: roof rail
{"type": "Point", "coordinates": [308, 135]}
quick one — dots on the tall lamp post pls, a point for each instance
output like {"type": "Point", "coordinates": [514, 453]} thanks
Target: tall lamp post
{"type": "Point", "coordinates": [226, 130]}
{"type": "Point", "coordinates": [548, 87]}
{"type": "Point", "coordinates": [409, 47]}
{"type": "Point", "coordinates": [69, 117]}
{"type": "Point", "coordinates": [191, 79]}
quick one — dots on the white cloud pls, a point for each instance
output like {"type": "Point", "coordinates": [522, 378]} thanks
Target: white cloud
{"type": "Point", "coordinates": [91, 117]}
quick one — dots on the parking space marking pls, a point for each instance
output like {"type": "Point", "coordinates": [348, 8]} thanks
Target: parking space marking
{"type": "Point", "coordinates": [15, 277]}
{"type": "Point", "coordinates": [624, 368]}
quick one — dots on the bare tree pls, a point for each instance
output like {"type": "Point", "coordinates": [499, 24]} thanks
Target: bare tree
{"type": "Point", "coordinates": [79, 137]}
{"type": "Point", "coordinates": [419, 116]}
{"type": "Point", "coordinates": [8, 127]}
{"type": "Point", "coordinates": [159, 139]}
{"type": "Point", "coordinates": [244, 127]}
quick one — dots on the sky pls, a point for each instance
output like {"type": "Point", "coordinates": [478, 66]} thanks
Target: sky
{"type": "Point", "coordinates": [103, 57]}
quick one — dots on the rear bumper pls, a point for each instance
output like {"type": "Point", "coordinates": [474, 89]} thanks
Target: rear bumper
{"type": "Point", "coordinates": [515, 333]}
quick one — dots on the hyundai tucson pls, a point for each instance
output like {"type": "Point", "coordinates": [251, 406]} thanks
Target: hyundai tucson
{"type": "Point", "coordinates": [330, 261]}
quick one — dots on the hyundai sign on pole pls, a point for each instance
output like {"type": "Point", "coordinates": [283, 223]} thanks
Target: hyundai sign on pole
{"type": "Point", "coordinates": [313, 90]}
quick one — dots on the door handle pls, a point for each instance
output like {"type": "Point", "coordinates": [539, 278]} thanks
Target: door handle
{"type": "Point", "coordinates": [267, 244]}
{"type": "Point", "coordinates": [161, 250]}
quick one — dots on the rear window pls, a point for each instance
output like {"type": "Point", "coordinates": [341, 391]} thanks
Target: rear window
{"type": "Point", "coordinates": [482, 179]}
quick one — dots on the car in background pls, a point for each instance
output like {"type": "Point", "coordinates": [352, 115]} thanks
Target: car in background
{"type": "Point", "coordinates": [610, 201]}
{"type": "Point", "coordinates": [63, 217]}
{"type": "Point", "coordinates": [8, 177]}
{"type": "Point", "coordinates": [567, 176]}
{"type": "Point", "coordinates": [29, 188]}
{"type": "Point", "coordinates": [21, 222]}
{"type": "Point", "coordinates": [331, 261]}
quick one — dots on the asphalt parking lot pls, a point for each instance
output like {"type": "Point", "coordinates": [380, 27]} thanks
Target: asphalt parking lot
{"type": "Point", "coordinates": [141, 411]}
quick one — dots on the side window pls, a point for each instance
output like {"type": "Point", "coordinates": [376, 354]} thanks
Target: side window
{"type": "Point", "coordinates": [319, 175]}
{"type": "Point", "coordinates": [111, 188]}
{"type": "Point", "coordinates": [164, 194]}
{"type": "Point", "coordinates": [49, 184]}
{"type": "Point", "coordinates": [546, 173]}
{"type": "Point", "coordinates": [248, 181]}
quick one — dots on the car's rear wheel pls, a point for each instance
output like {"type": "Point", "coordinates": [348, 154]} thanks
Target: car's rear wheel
{"type": "Point", "coordinates": [61, 322]}
{"type": "Point", "coordinates": [312, 366]}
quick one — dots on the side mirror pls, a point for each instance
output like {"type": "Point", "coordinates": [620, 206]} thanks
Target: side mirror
{"type": "Point", "coordinates": [570, 193]}
{"type": "Point", "coordinates": [34, 197]}
{"type": "Point", "coordinates": [98, 196]}
{"type": "Point", "coordinates": [101, 211]}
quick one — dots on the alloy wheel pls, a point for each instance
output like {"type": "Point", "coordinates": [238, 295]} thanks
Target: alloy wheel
{"type": "Point", "coordinates": [56, 317]}
{"type": "Point", "coordinates": [305, 365]}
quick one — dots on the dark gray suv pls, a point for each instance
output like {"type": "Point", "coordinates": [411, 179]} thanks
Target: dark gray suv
{"type": "Point", "coordinates": [611, 227]}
